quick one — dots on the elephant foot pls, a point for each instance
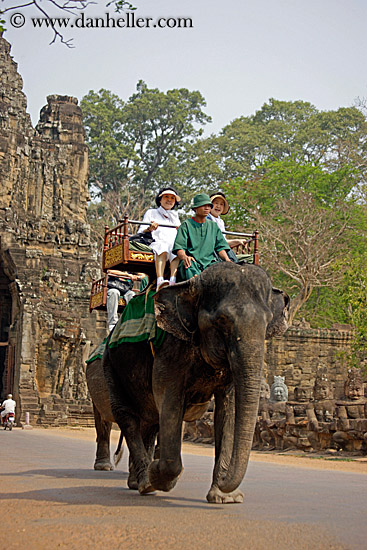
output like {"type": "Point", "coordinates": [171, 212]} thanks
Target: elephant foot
{"type": "Point", "coordinates": [145, 487]}
{"type": "Point", "coordinates": [157, 480]}
{"type": "Point", "coordinates": [132, 482]}
{"type": "Point", "coordinates": [103, 464]}
{"type": "Point", "coordinates": [216, 496]}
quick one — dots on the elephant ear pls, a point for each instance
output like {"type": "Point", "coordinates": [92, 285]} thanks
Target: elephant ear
{"type": "Point", "coordinates": [175, 309]}
{"type": "Point", "coordinates": [279, 305]}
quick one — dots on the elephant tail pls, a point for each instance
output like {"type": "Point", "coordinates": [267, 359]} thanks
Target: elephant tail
{"type": "Point", "coordinates": [119, 451]}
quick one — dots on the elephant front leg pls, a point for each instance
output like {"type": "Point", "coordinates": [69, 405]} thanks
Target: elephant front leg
{"type": "Point", "coordinates": [164, 472]}
{"type": "Point", "coordinates": [224, 433]}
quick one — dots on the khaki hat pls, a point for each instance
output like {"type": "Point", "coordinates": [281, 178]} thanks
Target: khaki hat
{"type": "Point", "coordinates": [220, 195]}
{"type": "Point", "coordinates": [167, 191]}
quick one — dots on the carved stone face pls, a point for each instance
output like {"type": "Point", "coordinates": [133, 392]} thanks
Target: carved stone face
{"type": "Point", "coordinates": [264, 390]}
{"type": "Point", "coordinates": [302, 394]}
{"type": "Point", "coordinates": [279, 394]}
{"type": "Point", "coordinates": [278, 390]}
{"type": "Point", "coordinates": [354, 391]}
{"type": "Point", "coordinates": [323, 391]}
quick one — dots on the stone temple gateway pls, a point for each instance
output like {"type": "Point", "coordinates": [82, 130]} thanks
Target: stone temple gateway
{"type": "Point", "coordinates": [47, 258]}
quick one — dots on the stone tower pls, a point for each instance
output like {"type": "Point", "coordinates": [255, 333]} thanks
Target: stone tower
{"type": "Point", "coordinates": [47, 259]}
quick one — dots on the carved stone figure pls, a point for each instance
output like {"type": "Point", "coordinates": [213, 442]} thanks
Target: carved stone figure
{"type": "Point", "coordinates": [81, 385]}
{"type": "Point", "coordinates": [296, 431]}
{"type": "Point", "coordinates": [351, 414]}
{"type": "Point", "coordinates": [278, 390]}
{"type": "Point", "coordinates": [321, 412]}
{"type": "Point", "coordinates": [205, 428]}
{"type": "Point", "coordinates": [190, 431]}
{"type": "Point", "coordinates": [274, 416]}
{"type": "Point", "coordinates": [263, 404]}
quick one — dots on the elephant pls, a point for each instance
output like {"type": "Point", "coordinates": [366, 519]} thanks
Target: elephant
{"type": "Point", "coordinates": [216, 324]}
{"type": "Point", "coordinates": [103, 417]}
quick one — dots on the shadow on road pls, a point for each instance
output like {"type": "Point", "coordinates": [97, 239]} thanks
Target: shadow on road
{"type": "Point", "coordinates": [69, 473]}
{"type": "Point", "coordinates": [106, 496]}
{"type": "Point", "coordinates": [99, 494]}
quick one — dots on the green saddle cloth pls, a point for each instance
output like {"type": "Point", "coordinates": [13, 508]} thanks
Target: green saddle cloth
{"type": "Point", "coordinates": [97, 352]}
{"type": "Point", "coordinates": [137, 323]}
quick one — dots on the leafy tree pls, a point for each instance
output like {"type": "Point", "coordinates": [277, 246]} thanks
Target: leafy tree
{"type": "Point", "coordinates": [102, 117]}
{"type": "Point", "coordinates": [305, 242]}
{"type": "Point", "coordinates": [354, 297]}
{"type": "Point", "coordinates": [136, 146]}
{"type": "Point", "coordinates": [305, 216]}
{"type": "Point", "coordinates": [283, 130]}
{"type": "Point", "coordinates": [282, 179]}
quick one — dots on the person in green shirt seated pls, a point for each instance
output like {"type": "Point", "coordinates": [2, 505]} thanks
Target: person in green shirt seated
{"type": "Point", "coordinates": [197, 241]}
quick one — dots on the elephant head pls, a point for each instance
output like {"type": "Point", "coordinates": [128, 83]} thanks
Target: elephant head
{"type": "Point", "coordinates": [228, 311]}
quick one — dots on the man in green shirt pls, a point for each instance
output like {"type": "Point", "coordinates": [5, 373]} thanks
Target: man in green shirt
{"type": "Point", "coordinates": [197, 241]}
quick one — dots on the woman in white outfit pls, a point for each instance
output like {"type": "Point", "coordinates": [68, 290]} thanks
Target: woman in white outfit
{"type": "Point", "coordinates": [163, 237]}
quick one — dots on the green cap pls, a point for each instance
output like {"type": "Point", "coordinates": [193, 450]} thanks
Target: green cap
{"type": "Point", "coordinates": [201, 200]}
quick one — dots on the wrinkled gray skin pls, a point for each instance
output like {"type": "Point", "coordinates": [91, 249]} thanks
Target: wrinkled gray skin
{"type": "Point", "coordinates": [216, 327]}
{"type": "Point", "coordinates": [103, 416]}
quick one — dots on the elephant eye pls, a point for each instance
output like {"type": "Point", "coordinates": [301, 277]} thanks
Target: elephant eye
{"type": "Point", "coordinates": [222, 321]}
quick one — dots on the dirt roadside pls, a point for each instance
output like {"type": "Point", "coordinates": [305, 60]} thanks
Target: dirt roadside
{"type": "Point", "coordinates": [290, 458]}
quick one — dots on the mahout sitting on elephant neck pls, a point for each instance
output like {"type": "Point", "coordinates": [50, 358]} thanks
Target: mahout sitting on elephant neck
{"type": "Point", "coordinates": [230, 309]}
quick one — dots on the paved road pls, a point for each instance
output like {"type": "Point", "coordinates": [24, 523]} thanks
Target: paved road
{"type": "Point", "coordinates": [56, 500]}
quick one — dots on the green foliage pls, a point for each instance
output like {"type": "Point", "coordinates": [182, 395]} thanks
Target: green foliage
{"type": "Point", "coordinates": [283, 130]}
{"type": "Point", "coordinates": [157, 125]}
{"type": "Point", "coordinates": [121, 5]}
{"type": "Point", "coordinates": [2, 24]}
{"type": "Point", "coordinates": [137, 146]}
{"type": "Point", "coordinates": [102, 116]}
{"type": "Point", "coordinates": [307, 218]}
{"type": "Point", "coordinates": [354, 296]}
{"type": "Point", "coordinates": [282, 179]}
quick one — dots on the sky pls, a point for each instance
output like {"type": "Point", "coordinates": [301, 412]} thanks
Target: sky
{"type": "Point", "coordinates": [238, 54]}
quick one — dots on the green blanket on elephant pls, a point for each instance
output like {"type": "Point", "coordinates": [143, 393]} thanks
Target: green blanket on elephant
{"type": "Point", "coordinates": [97, 352]}
{"type": "Point", "coordinates": [137, 323]}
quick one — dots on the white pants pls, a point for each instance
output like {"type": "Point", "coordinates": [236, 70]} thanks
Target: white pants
{"type": "Point", "coordinates": [113, 296]}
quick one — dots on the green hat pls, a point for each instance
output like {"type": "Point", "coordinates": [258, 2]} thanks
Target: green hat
{"type": "Point", "coordinates": [201, 200]}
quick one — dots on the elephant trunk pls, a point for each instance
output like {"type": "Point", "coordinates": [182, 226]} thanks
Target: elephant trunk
{"type": "Point", "coordinates": [246, 365]}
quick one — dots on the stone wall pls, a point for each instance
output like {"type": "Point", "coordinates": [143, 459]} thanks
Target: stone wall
{"type": "Point", "coordinates": [297, 354]}
{"type": "Point", "coordinates": [47, 259]}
